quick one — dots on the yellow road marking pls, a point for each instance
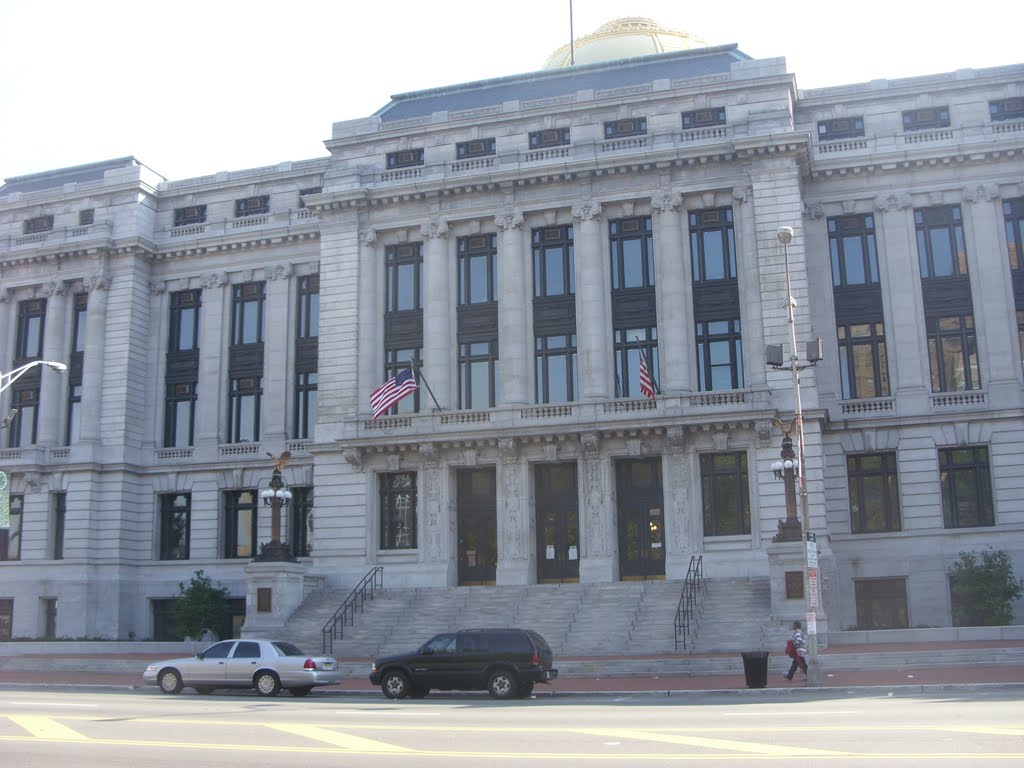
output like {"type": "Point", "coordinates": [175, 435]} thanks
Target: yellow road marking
{"type": "Point", "coordinates": [697, 741]}
{"type": "Point", "coordinates": [990, 730]}
{"type": "Point", "coordinates": [46, 728]}
{"type": "Point", "coordinates": [338, 739]}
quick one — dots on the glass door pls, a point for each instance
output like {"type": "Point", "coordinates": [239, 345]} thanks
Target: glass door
{"type": "Point", "coordinates": [641, 519]}
{"type": "Point", "coordinates": [478, 526]}
{"type": "Point", "coordinates": [558, 523]}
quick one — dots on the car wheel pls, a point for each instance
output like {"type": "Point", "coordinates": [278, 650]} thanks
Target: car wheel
{"type": "Point", "coordinates": [267, 684]}
{"type": "Point", "coordinates": [304, 690]}
{"type": "Point", "coordinates": [525, 689]}
{"type": "Point", "coordinates": [395, 685]}
{"type": "Point", "coordinates": [502, 685]}
{"type": "Point", "coordinates": [204, 689]}
{"type": "Point", "coordinates": [170, 681]}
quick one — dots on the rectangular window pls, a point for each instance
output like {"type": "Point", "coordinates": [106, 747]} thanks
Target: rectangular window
{"type": "Point", "coordinates": [725, 494]}
{"type": "Point", "coordinates": [405, 158]}
{"type": "Point", "coordinates": [552, 137]}
{"type": "Point", "coordinates": [240, 515]}
{"type": "Point", "coordinates": [553, 266]}
{"type": "Point", "coordinates": [60, 513]}
{"type": "Point", "coordinates": [632, 243]}
{"type": "Point", "coordinates": [712, 245]}
{"type": "Point", "coordinates": [403, 290]}
{"type": "Point", "coordinates": [621, 129]}
{"type": "Point", "coordinates": [10, 537]}
{"type": "Point", "coordinates": [6, 619]}
{"type": "Point", "coordinates": [940, 241]}
{"type": "Point", "coordinates": [953, 353]}
{"type": "Point", "coordinates": [308, 321]}
{"type": "Point", "coordinates": [881, 603]}
{"type": "Point", "coordinates": [184, 326]}
{"type": "Point", "coordinates": [466, 150]}
{"type": "Point", "coordinates": [22, 430]}
{"type": "Point", "coordinates": [925, 119]}
{"type": "Point", "coordinates": [703, 118]}
{"type": "Point", "coordinates": [478, 275]}
{"type": "Point", "coordinates": [247, 302]}
{"type": "Point", "coordinates": [252, 206]}
{"type": "Point", "coordinates": [175, 525]}
{"type": "Point", "coordinates": [305, 404]}
{"type": "Point", "coordinates": [180, 415]}
{"type": "Point", "coordinates": [398, 510]}
{"type": "Point", "coordinates": [965, 477]}
{"type": "Point", "coordinates": [478, 374]}
{"type": "Point", "coordinates": [1013, 218]}
{"type": "Point", "coordinates": [1007, 109]}
{"type": "Point", "coordinates": [555, 364]}
{"type": "Point", "coordinates": [630, 345]}
{"type": "Point", "coordinates": [851, 242]}
{"type": "Point", "coordinates": [31, 320]}
{"type": "Point", "coordinates": [874, 492]}
{"type": "Point", "coordinates": [190, 214]}
{"type": "Point", "coordinates": [244, 402]}
{"type": "Point", "coordinates": [86, 216]}
{"type": "Point", "coordinates": [300, 534]}
{"type": "Point", "coordinates": [308, 191]}
{"type": "Point", "coordinates": [74, 425]}
{"type": "Point", "coordinates": [396, 360]}
{"type": "Point", "coordinates": [719, 355]}
{"type": "Point", "coordinates": [38, 224]}
{"type": "Point", "coordinates": [78, 323]}
{"type": "Point", "coordinates": [841, 128]}
{"type": "Point", "coordinates": [863, 366]}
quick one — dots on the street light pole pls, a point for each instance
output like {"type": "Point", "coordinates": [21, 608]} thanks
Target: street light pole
{"type": "Point", "coordinates": [275, 497]}
{"type": "Point", "coordinates": [6, 379]}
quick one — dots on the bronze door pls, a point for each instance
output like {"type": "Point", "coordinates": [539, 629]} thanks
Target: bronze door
{"type": "Point", "coordinates": [558, 522]}
{"type": "Point", "coordinates": [641, 519]}
{"type": "Point", "coordinates": [478, 526]}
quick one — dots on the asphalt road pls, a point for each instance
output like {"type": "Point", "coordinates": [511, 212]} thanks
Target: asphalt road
{"type": "Point", "coordinates": [113, 729]}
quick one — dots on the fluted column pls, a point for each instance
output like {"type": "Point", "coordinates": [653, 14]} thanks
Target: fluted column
{"type": "Point", "coordinates": [514, 309]}
{"type": "Point", "coordinates": [212, 360]}
{"type": "Point", "coordinates": [674, 294]}
{"type": "Point", "coordinates": [370, 319]}
{"type": "Point", "coordinates": [51, 388]}
{"type": "Point", "coordinates": [278, 353]}
{"type": "Point", "coordinates": [593, 327]}
{"type": "Point", "coordinates": [93, 363]}
{"type": "Point", "coordinates": [439, 352]}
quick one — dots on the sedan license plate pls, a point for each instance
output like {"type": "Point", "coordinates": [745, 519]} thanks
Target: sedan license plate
{"type": "Point", "coordinates": [328, 665]}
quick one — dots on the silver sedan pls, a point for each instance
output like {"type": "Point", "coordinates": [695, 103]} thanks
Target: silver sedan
{"type": "Point", "coordinates": [266, 665]}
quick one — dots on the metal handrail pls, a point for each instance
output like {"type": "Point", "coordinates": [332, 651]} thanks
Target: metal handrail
{"type": "Point", "coordinates": [346, 613]}
{"type": "Point", "coordinates": [689, 605]}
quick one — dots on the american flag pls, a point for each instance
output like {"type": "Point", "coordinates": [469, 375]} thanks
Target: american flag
{"type": "Point", "coordinates": [646, 388]}
{"type": "Point", "coordinates": [392, 390]}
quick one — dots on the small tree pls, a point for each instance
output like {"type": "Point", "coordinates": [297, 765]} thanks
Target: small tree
{"type": "Point", "coordinates": [983, 589]}
{"type": "Point", "coordinates": [200, 606]}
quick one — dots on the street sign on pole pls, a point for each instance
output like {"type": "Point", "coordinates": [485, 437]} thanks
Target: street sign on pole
{"type": "Point", "coordinates": [812, 587]}
{"type": "Point", "coordinates": [812, 554]}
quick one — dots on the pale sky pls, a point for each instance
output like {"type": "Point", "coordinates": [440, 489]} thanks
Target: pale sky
{"type": "Point", "coordinates": [191, 88]}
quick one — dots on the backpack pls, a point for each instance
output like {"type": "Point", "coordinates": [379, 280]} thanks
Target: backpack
{"type": "Point", "coordinates": [791, 649]}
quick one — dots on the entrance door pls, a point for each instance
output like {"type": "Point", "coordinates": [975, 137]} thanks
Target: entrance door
{"type": "Point", "coordinates": [641, 519]}
{"type": "Point", "coordinates": [558, 523]}
{"type": "Point", "coordinates": [478, 526]}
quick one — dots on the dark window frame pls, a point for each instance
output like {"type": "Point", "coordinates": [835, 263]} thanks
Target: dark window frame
{"type": "Point", "coordinates": [625, 128]}
{"type": "Point", "coordinates": [544, 352]}
{"type": "Point", "coordinates": [398, 359]}
{"type": "Point", "coordinates": [708, 117]}
{"type": "Point", "coordinates": [628, 344]}
{"type": "Point", "coordinates": [306, 404]}
{"type": "Point", "coordinates": [966, 468]}
{"type": "Point", "coordinates": [404, 158]}
{"type": "Point", "coordinates": [843, 232]}
{"type": "Point", "coordinates": [557, 244]}
{"type": "Point", "coordinates": [246, 298]}
{"type": "Point", "coordinates": [189, 214]}
{"type": "Point", "coordinates": [398, 527]}
{"type": "Point", "coordinates": [469, 357]}
{"type": "Point", "coordinates": [874, 509]}
{"type": "Point", "coordinates": [307, 321]}
{"type": "Point", "coordinates": [300, 521]}
{"type": "Point", "coordinates": [308, 191]}
{"type": "Point", "coordinates": [929, 224]}
{"type": "Point", "coordinates": [622, 234]}
{"type": "Point", "coordinates": [235, 504]}
{"type": "Point", "coordinates": [60, 513]}
{"type": "Point", "coordinates": [466, 150]}
{"type": "Point", "coordinates": [956, 345]}
{"type": "Point", "coordinates": [240, 390]}
{"type": "Point", "coordinates": [549, 137]}
{"type": "Point", "coordinates": [184, 305]}
{"type": "Point", "coordinates": [704, 223]}
{"type": "Point", "coordinates": [86, 216]}
{"type": "Point", "coordinates": [175, 518]}
{"type": "Point", "coordinates": [926, 118]}
{"type": "Point", "coordinates": [1007, 109]}
{"type": "Point", "coordinates": [31, 330]}
{"type": "Point", "coordinates": [705, 336]}
{"type": "Point", "coordinates": [38, 224]}
{"type": "Point", "coordinates": [252, 206]}
{"type": "Point", "coordinates": [837, 128]}
{"type": "Point", "coordinates": [736, 476]}
{"type": "Point", "coordinates": [10, 537]}
{"type": "Point", "coordinates": [851, 359]}
{"type": "Point", "coordinates": [178, 393]}
{"type": "Point", "coordinates": [476, 253]}
{"type": "Point", "coordinates": [397, 260]}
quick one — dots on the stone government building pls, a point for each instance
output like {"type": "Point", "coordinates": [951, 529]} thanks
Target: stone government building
{"type": "Point", "coordinates": [528, 238]}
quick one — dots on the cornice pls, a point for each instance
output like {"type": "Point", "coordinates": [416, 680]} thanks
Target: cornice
{"type": "Point", "coordinates": [201, 248]}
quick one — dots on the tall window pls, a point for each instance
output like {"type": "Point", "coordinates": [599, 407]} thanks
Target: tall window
{"type": "Point", "coordinates": [478, 277]}
{"type": "Point", "coordinates": [719, 355]}
{"type": "Point", "coordinates": [712, 245]}
{"type": "Point", "coordinates": [301, 526]}
{"type": "Point", "coordinates": [60, 513]}
{"type": "Point", "coordinates": [965, 477]}
{"type": "Point", "coordinates": [874, 492]}
{"type": "Point", "coordinates": [76, 366]}
{"type": "Point", "coordinates": [398, 510]}
{"type": "Point", "coordinates": [182, 376]}
{"type": "Point", "coordinates": [180, 415]}
{"type": "Point", "coordinates": [851, 243]}
{"type": "Point", "coordinates": [940, 241]}
{"type": "Point", "coordinates": [632, 242]}
{"type": "Point", "coordinates": [863, 367]}
{"type": "Point", "coordinates": [953, 353]}
{"type": "Point", "coordinates": [184, 325]}
{"type": "Point", "coordinates": [308, 321]}
{"type": "Point", "coordinates": [478, 374]}
{"type": "Point", "coordinates": [403, 290]}
{"type": "Point", "coordinates": [553, 266]}
{"type": "Point", "coordinates": [630, 345]}
{"type": "Point", "coordinates": [305, 405]}
{"type": "Point", "coordinates": [175, 525]}
{"type": "Point", "coordinates": [306, 356]}
{"type": "Point", "coordinates": [247, 313]}
{"type": "Point", "coordinates": [725, 494]}
{"type": "Point", "coordinates": [1013, 216]}
{"type": "Point", "coordinates": [244, 402]}
{"type": "Point", "coordinates": [239, 524]}
{"type": "Point", "coordinates": [555, 363]}
{"type": "Point", "coordinates": [396, 360]}
{"type": "Point", "coordinates": [31, 318]}
{"type": "Point", "coordinates": [25, 392]}
{"type": "Point", "coordinates": [22, 431]}
{"type": "Point", "coordinates": [10, 537]}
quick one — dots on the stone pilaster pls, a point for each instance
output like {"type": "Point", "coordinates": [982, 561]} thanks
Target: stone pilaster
{"type": "Point", "coordinates": [439, 354]}
{"type": "Point", "coordinates": [674, 294]}
{"type": "Point", "coordinates": [593, 298]}
{"type": "Point", "coordinates": [52, 386]}
{"type": "Point", "coordinates": [597, 562]}
{"type": "Point", "coordinates": [371, 338]}
{"type": "Point", "coordinates": [93, 363]}
{"type": "Point", "coordinates": [212, 356]}
{"type": "Point", "coordinates": [682, 521]}
{"type": "Point", "coordinates": [514, 309]}
{"type": "Point", "coordinates": [514, 518]}
{"type": "Point", "coordinates": [278, 352]}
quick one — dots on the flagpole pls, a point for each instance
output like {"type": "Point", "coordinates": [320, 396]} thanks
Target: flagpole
{"type": "Point", "coordinates": [418, 366]}
{"type": "Point", "coordinates": [650, 368]}
{"type": "Point", "coordinates": [572, 43]}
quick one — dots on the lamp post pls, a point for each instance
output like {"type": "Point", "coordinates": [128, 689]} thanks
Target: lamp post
{"type": "Point", "coordinates": [276, 497]}
{"type": "Point", "coordinates": [791, 469]}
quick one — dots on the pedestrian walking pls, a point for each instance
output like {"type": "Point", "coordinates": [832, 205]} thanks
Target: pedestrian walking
{"type": "Point", "coordinates": [796, 649]}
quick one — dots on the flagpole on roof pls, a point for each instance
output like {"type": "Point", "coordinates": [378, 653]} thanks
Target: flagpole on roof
{"type": "Point", "coordinates": [418, 369]}
{"type": "Point", "coordinates": [572, 43]}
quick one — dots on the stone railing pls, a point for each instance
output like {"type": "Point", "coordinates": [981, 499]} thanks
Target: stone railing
{"type": "Point", "coordinates": [842, 145]}
{"type": "Point", "coordinates": [238, 449]}
{"type": "Point", "coordinates": [174, 454]}
{"type": "Point", "coordinates": [870, 407]}
{"type": "Point", "coordinates": [703, 134]}
{"type": "Point", "coordinates": [957, 399]}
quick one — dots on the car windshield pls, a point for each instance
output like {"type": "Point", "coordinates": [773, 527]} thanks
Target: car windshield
{"type": "Point", "coordinates": [287, 649]}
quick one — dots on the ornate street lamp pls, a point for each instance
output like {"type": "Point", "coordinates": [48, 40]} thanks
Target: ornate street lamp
{"type": "Point", "coordinates": [786, 470]}
{"type": "Point", "coordinates": [276, 497]}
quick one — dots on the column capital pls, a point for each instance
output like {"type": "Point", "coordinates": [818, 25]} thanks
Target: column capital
{"type": "Point", "coordinates": [435, 228]}
{"type": "Point", "coordinates": [508, 218]}
{"type": "Point", "coordinates": [277, 271]}
{"type": "Point", "coordinates": [666, 201]}
{"type": "Point", "coordinates": [97, 282]}
{"type": "Point", "coordinates": [53, 288]}
{"type": "Point", "coordinates": [368, 237]}
{"type": "Point", "coordinates": [895, 201]}
{"type": "Point", "coordinates": [587, 209]}
{"type": "Point", "coordinates": [981, 193]}
{"type": "Point", "coordinates": [214, 280]}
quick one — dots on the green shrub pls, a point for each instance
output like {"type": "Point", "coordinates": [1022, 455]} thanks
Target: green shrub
{"type": "Point", "coordinates": [983, 588]}
{"type": "Point", "coordinates": [201, 606]}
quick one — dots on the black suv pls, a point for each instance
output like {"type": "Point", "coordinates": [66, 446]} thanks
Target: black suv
{"type": "Point", "coordinates": [504, 662]}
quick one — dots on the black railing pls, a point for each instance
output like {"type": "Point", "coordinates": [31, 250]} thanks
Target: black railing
{"type": "Point", "coordinates": [690, 603]}
{"type": "Point", "coordinates": [334, 629]}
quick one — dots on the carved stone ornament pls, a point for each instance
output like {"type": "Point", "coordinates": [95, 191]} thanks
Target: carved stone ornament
{"type": "Point", "coordinates": [764, 433]}
{"type": "Point", "coordinates": [742, 194]}
{"type": "Point", "coordinates": [586, 210]}
{"type": "Point", "coordinates": [634, 446]}
{"type": "Point", "coordinates": [214, 280]}
{"type": "Point", "coordinates": [981, 193]}
{"type": "Point", "coordinates": [591, 444]}
{"type": "Point", "coordinates": [277, 271]}
{"type": "Point", "coordinates": [434, 228]}
{"type": "Point", "coordinates": [368, 237]}
{"type": "Point", "coordinates": [509, 450]}
{"type": "Point", "coordinates": [429, 455]}
{"type": "Point", "coordinates": [675, 439]}
{"type": "Point", "coordinates": [666, 201]}
{"type": "Point", "coordinates": [32, 481]}
{"type": "Point", "coordinates": [354, 456]}
{"type": "Point", "coordinates": [98, 282]}
{"type": "Point", "coordinates": [53, 288]}
{"type": "Point", "coordinates": [720, 439]}
{"type": "Point", "coordinates": [895, 201]}
{"type": "Point", "coordinates": [507, 219]}
{"type": "Point", "coordinates": [6, 294]}
{"type": "Point", "coordinates": [813, 211]}
{"type": "Point", "coordinates": [156, 287]}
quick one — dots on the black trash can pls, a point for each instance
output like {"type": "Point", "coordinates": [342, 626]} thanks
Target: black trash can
{"type": "Point", "coordinates": [755, 668]}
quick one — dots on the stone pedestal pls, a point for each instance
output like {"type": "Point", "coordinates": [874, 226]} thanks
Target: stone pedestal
{"type": "Point", "coordinates": [788, 557]}
{"type": "Point", "coordinates": [274, 590]}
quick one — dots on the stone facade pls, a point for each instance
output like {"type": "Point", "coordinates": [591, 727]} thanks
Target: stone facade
{"type": "Point", "coordinates": [90, 561]}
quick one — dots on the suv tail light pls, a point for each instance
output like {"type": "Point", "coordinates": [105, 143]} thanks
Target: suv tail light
{"type": "Point", "coordinates": [309, 664]}
{"type": "Point", "coordinates": [535, 659]}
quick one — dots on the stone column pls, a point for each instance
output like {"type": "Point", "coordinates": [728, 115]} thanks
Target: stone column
{"type": "Point", "coordinates": [514, 309]}
{"type": "Point", "coordinates": [439, 354]}
{"type": "Point", "coordinates": [371, 326]}
{"type": "Point", "coordinates": [755, 373]}
{"type": "Point", "coordinates": [514, 519]}
{"type": "Point", "coordinates": [52, 405]}
{"type": "Point", "coordinates": [674, 292]}
{"type": "Point", "coordinates": [93, 363]}
{"type": "Point", "coordinates": [8, 321]}
{"type": "Point", "coordinates": [278, 353]}
{"type": "Point", "coordinates": [593, 299]}
{"type": "Point", "coordinates": [437, 536]}
{"type": "Point", "coordinates": [597, 560]}
{"type": "Point", "coordinates": [213, 362]}
{"type": "Point", "coordinates": [683, 525]}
